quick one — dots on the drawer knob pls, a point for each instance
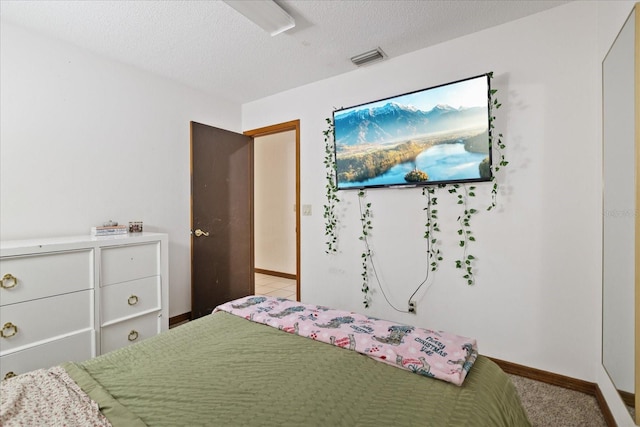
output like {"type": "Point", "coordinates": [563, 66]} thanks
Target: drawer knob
{"type": "Point", "coordinates": [10, 328]}
{"type": "Point", "coordinates": [133, 300]}
{"type": "Point", "coordinates": [8, 281]}
{"type": "Point", "coordinates": [133, 335]}
{"type": "Point", "coordinates": [10, 374]}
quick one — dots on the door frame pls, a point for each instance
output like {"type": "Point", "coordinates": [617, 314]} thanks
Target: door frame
{"type": "Point", "coordinates": [278, 128]}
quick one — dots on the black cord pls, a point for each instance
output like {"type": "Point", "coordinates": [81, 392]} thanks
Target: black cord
{"type": "Point", "coordinates": [373, 267]}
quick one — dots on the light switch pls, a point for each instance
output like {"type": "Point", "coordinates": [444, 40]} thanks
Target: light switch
{"type": "Point", "coordinates": [306, 210]}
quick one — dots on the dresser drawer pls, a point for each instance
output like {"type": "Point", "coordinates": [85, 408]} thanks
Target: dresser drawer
{"type": "Point", "coordinates": [124, 300]}
{"type": "Point", "coordinates": [124, 263]}
{"type": "Point", "coordinates": [29, 322]}
{"type": "Point", "coordinates": [129, 332]}
{"type": "Point", "coordinates": [40, 276]}
{"type": "Point", "coordinates": [74, 348]}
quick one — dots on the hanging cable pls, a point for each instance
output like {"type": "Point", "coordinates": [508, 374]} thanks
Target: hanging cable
{"type": "Point", "coordinates": [373, 267]}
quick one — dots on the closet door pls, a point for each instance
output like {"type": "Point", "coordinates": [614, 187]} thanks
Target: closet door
{"type": "Point", "coordinates": [621, 214]}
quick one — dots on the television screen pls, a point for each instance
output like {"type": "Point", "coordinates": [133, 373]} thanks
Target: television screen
{"type": "Point", "coordinates": [438, 135]}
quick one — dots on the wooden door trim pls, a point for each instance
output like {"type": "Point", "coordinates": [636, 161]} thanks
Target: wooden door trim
{"type": "Point", "coordinates": [278, 128]}
{"type": "Point", "coordinates": [191, 123]}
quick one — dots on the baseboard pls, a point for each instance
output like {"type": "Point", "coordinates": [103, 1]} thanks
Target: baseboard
{"type": "Point", "coordinates": [547, 377]}
{"type": "Point", "coordinates": [275, 273]}
{"type": "Point", "coordinates": [560, 381]}
{"type": "Point", "coordinates": [629, 399]}
{"type": "Point", "coordinates": [179, 319]}
{"type": "Point", "coordinates": [604, 408]}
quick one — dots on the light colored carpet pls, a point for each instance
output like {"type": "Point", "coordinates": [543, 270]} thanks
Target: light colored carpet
{"type": "Point", "coordinates": [552, 406]}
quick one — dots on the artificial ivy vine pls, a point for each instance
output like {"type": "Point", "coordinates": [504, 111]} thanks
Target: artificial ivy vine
{"type": "Point", "coordinates": [465, 233]}
{"type": "Point", "coordinates": [330, 216]}
{"type": "Point", "coordinates": [365, 221]}
{"type": "Point", "coordinates": [496, 146]}
{"type": "Point", "coordinates": [462, 192]}
{"type": "Point", "coordinates": [432, 228]}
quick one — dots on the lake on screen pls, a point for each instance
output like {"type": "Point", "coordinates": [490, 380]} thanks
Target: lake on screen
{"type": "Point", "coordinates": [441, 162]}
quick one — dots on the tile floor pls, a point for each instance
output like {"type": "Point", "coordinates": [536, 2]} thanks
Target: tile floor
{"type": "Point", "coordinates": [275, 286]}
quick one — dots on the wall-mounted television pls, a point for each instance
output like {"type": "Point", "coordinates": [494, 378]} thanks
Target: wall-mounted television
{"type": "Point", "coordinates": [438, 135]}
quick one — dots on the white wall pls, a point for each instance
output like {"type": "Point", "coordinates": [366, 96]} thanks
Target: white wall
{"type": "Point", "coordinates": [274, 158]}
{"type": "Point", "coordinates": [536, 300]}
{"type": "Point", "coordinates": [85, 140]}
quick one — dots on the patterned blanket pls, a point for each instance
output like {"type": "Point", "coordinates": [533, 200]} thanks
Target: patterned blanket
{"type": "Point", "coordinates": [436, 354]}
{"type": "Point", "coordinates": [47, 397]}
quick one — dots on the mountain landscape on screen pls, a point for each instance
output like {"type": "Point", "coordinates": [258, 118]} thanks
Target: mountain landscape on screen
{"type": "Point", "coordinates": [394, 122]}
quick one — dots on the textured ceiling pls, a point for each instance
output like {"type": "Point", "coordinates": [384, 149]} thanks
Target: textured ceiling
{"type": "Point", "coordinates": [209, 46]}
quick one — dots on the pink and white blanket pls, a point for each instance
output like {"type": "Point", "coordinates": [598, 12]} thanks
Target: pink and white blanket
{"type": "Point", "coordinates": [436, 354]}
{"type": "Point", "coordinates": [47, 397]}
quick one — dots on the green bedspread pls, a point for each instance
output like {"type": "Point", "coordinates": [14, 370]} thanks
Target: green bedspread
{"type": "Point", "coordinates": [227, 371]}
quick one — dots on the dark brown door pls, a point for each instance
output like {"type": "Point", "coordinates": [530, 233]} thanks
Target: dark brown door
{"type": "Point", "coordinates": [221, 217]}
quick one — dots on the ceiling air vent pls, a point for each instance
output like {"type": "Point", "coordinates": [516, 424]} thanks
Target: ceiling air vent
{"type": "Point", "coordinates": [368, 57]}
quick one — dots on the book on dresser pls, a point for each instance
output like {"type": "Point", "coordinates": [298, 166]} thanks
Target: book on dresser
{"type": "Point", "coordinates": [109, 230]}
{"type": "Point", "coordinates": [104, 293]}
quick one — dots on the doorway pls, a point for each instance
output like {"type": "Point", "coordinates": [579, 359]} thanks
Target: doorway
{"type": "Point", "coordinates": [277, 209]}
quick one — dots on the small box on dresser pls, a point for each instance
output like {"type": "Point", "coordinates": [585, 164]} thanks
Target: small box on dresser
{"type": "Point", "coordinates": [72, 298]}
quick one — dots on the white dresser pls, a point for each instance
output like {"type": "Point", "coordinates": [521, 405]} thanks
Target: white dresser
{"type": "Point", "coordinates": [72, 298]}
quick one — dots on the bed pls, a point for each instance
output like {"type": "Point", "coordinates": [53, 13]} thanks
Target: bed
{"type": "Point", "coordinates": [233, 369]}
